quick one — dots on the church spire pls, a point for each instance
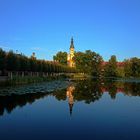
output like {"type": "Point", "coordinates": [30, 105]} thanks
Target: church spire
{"type": "Point", "coordinates": [70, 108]}
{"type": "Point", "coordinates": [72, 43]}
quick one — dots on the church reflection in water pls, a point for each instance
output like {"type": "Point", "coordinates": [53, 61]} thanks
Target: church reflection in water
{"type": "Point", "coordinates": [70, 97]}
{"type": "Point", "coordinates": [87, 91]}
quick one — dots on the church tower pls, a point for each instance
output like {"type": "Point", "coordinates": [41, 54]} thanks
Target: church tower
{"type": "Point", "coordinates": [70, 60]}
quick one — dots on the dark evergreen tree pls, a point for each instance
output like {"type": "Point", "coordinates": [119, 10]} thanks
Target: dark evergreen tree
{"type": "Point", "coordinates": [2, 60]}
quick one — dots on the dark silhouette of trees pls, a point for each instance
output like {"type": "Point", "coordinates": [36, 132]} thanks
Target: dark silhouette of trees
{"type": "Point", "coordinates": [19, 63]}
{"type": "Point", "coordinates": [12, 61]}
{"type": "Point", "coordinates": [2, 60]}
{"type": "Point", "coordinates": [86, 62]}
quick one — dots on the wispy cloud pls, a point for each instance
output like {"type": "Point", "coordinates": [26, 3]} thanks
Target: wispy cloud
{"type": "Point", "coordinates": [36, 48]}
{"type": "Point", "coordinates": [41, 49]}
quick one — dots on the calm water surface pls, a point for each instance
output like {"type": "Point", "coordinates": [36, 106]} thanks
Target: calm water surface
{"type": "Point", "coordinates": [85, 110]}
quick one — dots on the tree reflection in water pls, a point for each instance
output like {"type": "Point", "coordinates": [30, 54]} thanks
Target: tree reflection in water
{"type": "Point", "coordinates": [86, 90]}
{"type": "Point", "coordinates": [8, 103]}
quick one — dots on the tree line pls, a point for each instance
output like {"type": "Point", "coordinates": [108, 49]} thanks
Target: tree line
{"type": "Point", "coordinates": [93, 64]}
{"type": "Point", "coordinates": [130, 68]}
{"type": "Point", "coordinates": [88, 62]}
{"type": "Point", "coordinates": [19, 63]}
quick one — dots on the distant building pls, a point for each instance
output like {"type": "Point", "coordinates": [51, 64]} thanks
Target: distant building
{"type": "Point", "coordinates": [70, 56]}
{"type": "Point", "coordinates": [33, 55]}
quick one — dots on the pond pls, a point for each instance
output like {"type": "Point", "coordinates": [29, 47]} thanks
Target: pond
{"type": "Point", "coordinates": [86, 109]}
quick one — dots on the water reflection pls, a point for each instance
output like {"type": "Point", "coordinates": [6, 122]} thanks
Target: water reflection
{"type": "Point", "coordinates": [70, 96]}
{"type": "Point", "coordinates": [86, 90]}
{"type": "Point", "coordinates": [8, 103]}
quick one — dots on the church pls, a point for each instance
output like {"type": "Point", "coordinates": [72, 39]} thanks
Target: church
{"type": "Point", "coordinates": [70, 56]}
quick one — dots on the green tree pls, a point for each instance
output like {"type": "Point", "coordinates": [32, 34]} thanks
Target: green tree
{"type": "Point", "coordinates": [110, 69]}
{"type": "Point", "coordinates": [120, 72]}
{"type": "Point", "coordinates": [61, 57]}
{"type": "Point", "coordinates": [88, 62]}
{"type": "Point", "coordinates": [132, 67]}
{"type": "Point", "coordinates": [127, 68]}
{"type": "Point", "coordinates": [135, 66]}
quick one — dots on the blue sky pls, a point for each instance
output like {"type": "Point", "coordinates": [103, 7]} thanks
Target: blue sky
{"type": "Point", "coordinates": [46, 26]}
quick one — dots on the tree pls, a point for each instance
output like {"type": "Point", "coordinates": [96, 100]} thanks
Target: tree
{"type": "Point", "coordinates": [127, 68]}
{"type": "Point", "coordinates": [132, 67]}
{"type": "Point", "coordinates": [61, 57]}
{"type": "Point", "coordinates": [2, 59]}
{"type": "Point", "coordinates": [88, 62]}
{"type": "Point", "coordinates": [12, 61]}
{"type": "Point", "coordinates": [33, 65]}
{"type": "Point", "coordinates": [135, 67]}
{"type": "Point", "coordinates": [24, 63]}
{"type": "Point", "coordinates": [120, 72]}
{"type": "Point", "coordinates": [110, 69]}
